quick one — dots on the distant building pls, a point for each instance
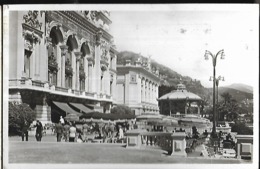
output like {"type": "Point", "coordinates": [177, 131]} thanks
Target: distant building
{"type": "Point", "coordinates": [137, 87]}
{"type": "Point", "coordinates": [61, 57]}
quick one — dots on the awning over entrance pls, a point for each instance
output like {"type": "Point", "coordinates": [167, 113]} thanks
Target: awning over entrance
{"type": "Point", "coordinates": [65, 107]}
{"type": "Point", "coordinates": [81, 107]}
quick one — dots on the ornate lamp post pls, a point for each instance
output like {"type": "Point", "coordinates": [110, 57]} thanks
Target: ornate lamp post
{"type": "Point", "coordinates": [220, 78]}
{"type": "Point", "coordinates": [214, 61]}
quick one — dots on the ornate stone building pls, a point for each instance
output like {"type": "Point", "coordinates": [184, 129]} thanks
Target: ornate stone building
{"type": "Point", "coordinates": [62, 57]}
{"type": "Point", "coordinates": [137, 87]}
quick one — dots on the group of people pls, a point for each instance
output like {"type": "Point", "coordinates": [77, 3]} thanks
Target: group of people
{"type": "Point", "coordinates": [25, 131]}
{"type": "Point", "coordinates": [68, 131]}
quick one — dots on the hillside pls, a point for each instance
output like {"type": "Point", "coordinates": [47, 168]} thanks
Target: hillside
{"type": "Point", "coordinates": [241, 87]}
{"type": "Point", "coordinates": [236, 94]}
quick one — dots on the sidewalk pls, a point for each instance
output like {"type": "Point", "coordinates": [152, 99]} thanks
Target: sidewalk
{"type": "Point", "coordinates": [94, 153]}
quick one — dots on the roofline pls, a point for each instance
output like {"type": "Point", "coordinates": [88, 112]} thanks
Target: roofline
{"type": "Point", "coordinates": [141, 69]}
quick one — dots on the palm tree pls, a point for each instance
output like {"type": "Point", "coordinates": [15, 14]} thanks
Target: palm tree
{"type": "Point", "coordinates": [227, 97]}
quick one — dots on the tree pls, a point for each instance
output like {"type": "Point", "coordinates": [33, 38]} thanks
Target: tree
{"type": "Point", "coordinates": [121, 109]}
{"type": "Point", "coordinates": [228, 107]}
{"type": "Point", "coordinates": [227, 97]}
{"type": "Point", "coordinates": [18, 115]}
{"type": "Point", "coordinates": [241, 128]}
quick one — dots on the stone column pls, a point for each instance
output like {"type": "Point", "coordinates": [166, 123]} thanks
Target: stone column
{"type": "Point", "coordinates": [90, 76]}
{"type": "Point", "coordinates": [86, 73]}
{"type": "Point", "coordinates": [73, 65]}
{"type": "Point", "coordinates": [97, 73]}
{"type": "Point", "coordinates": [32, 64]}
{"type": "Point", "coordinates": [238, 151]}
{"type": "Point", "coordinates": [78, 56]}
{"type": "Point", "coordinates": [64, 50]}
{"type": "Point", "coordinates": [58, 59]}
{"type": "Point", "coordinates": [37, 61]}
{"type": "Point", "coordinates": [19, 51]}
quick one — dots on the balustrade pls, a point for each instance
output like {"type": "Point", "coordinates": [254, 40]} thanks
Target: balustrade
{"type": "Point", "coordinates": [174, 143]}
{"type": "Point", "coordinates": [61, 89]}
{"type": "Point", "coordinates": [37, 83]}
{"type": "Point", "coordinates": [76, 92]}
{"type": "Point", "coordinates": [89, 94]}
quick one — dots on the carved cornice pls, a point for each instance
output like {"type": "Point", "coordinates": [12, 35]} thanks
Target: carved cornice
{"type": "Point", "coordinates": [103, 17]}
{"type": "Point", "coordinates": [31, 33]}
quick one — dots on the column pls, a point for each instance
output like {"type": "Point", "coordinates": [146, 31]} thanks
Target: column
{"type": "Point", "coordinates": [97, 68]}
{"type": "Point", "coordinates": [58, 59]}
{"type": "Point", "coordinates": [78, 56]}
{"type": "Point", "coordinates": [37, 61]}
{"type": "Point", "coordinates": [238, 151]}
{"type": "Point", "coordinates": [86, 73]}
{"type": "Point", "coordinates": [198, 109]}
{"type": "Point", "coordinates": [64, 50]}
{"type": "Point", "coordinates": [142, 91]}
{"type": "Point", "coordinates": [32, 64]}
{"type": "Point", "coordinates": [73, 65]}
{"type": "Point", "coordinates": [89, 78]}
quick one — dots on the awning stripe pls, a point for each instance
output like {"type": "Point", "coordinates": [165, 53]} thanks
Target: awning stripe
{"type": "Point", "coordinates": [65, 107]}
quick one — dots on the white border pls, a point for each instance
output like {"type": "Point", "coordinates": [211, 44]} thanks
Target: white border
{"type": "Point", "coordinates": [124, 7]}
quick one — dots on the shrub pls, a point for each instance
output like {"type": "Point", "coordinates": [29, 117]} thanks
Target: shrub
{"type": "Point", "coordinates": [241, 128]}
{"type": "Point", "coordinates": [121, 109]}
{"type": "Point", "coordinates": [18, 114]}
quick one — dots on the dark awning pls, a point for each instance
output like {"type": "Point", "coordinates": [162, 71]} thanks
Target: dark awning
{"type": "Point", "coordinates": [65, 107]}
{"type": "Point", "coordinates": [81, 107]}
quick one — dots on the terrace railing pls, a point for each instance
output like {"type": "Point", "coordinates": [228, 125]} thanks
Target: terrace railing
{"type": "Point", "coordinates": [173, 143]}
{"type": "Point", "coordinates": [37, 83]}
{"type": "Point", "coordinates": [61, 89]}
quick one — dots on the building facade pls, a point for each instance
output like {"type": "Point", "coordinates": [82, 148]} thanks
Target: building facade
{"type": "Point", "coordinates": [61, 56]}
{"type": "Point", "coordinates": [137, 87]}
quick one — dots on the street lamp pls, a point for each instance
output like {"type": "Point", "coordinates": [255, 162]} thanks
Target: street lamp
{"type": "Point", "coordinates": [220, 78]}
{"type": "Point", "coordinates": [214, 61]}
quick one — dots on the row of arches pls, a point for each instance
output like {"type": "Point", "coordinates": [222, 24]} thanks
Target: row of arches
{"type": "Point", "coordinates": [73, 57]}
{"type": "Point", "coordinates": [58, 36]}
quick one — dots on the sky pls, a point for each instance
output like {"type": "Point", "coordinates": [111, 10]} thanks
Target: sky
{"type": "Point", "coordinates": [177, 37]}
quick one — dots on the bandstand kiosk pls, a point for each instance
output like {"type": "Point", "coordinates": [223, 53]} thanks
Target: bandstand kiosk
{"type": "Point", "coordinates": [179, 102]}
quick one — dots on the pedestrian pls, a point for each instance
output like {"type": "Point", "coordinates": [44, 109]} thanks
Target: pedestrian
{"type": "Point", "coordinates": [62, 120]}
{"type": "Point", "coordinates": [72, 133]}
{"type": "Point", "coordinates": [121, 133]}
{"type": "Point", "coordinates": [59, 131]}
{"type": "Point", "coordinates": [39, 129]}
{"type": "Point", "coordinates": [85, 132]}
{"type": "Point", "coordinates": [66, 131]}
{"type": "Point", "coordinates": [25, 128]}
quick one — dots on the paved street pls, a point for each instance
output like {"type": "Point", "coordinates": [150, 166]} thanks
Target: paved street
{"type": "Point", "coordinates": [49, 151]}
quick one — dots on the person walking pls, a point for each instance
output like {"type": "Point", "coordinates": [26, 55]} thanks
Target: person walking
{"type": "Point", "coordinates": [66, 131]}
{"type": "Point", "coordinates": [39, 129]}
{"type": "Point", "coordinates": [59, 131]}
{"type": "Point", "coordinates": [85, 132]}
{"type": "Point", "coordinates": [72, 133]}
{"type": "Point", "coordinates": [25, 128]}
{"type": "Point", "coordinates": [62, 120]}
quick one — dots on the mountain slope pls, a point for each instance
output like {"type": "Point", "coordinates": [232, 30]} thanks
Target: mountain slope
{"type": "Point", "coordinates": [236, 94]}
{"type": "Point", "coordinates": [241, 87]}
